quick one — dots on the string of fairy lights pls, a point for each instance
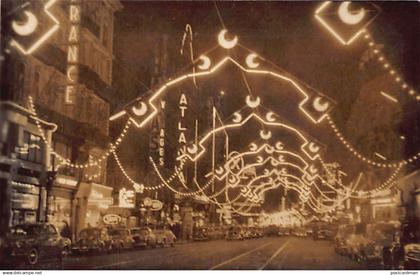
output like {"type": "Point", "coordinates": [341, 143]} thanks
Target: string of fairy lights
{"type": "Point", "coordinates": [386, 65]}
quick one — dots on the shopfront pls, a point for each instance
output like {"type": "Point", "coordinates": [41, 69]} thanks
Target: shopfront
{"type": "Point", "coordinates": [92, 203]}
{"type": "Point", "coordinates": [24, 202]}
{"type": "Point", "coordinates": [61, 202]}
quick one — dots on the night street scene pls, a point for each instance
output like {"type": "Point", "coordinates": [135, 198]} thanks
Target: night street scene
{"type": "Point", "coordinates": [209, 135]}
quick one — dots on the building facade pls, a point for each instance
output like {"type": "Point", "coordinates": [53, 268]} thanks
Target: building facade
{"type": "Point", "coordinates": [78, 54]}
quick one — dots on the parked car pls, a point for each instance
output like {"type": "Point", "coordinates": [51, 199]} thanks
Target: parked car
{"type": "Point", "coordinates": [341, 240]}
{"type": "Point", "coordinates": [33, 243]}
{"type": "Point", "coordinates": [121, 238]}
{"type": "Point", "coordinates": [92, 239]}
{"type": "Point", "coordinates": [379, 237]}
{"type": "Point", "coordinates": [143, 237]}
{"type": "Point", "coordinates": [394, 258]}
{"type": "Point", "coordinates": [164, 237]}
{"type": "Point", "coordinates": [235, 233]}
{"type": "Point", "coordinates": [271, 230]}
{"type": "Point", "coordinates": [200, 234]}
{"type": "Point", "coordinates": [299, 232]}
{"type": "Point", "coordinates": [255, 232]}
{"type": "Point", "coordinates": [412, 256]}
{"type": "Point", "coordinates": [284, 231]}
{"type": "Point", "coordinates": [215, 233]}
{"type": "Point", "coordinates": [322, 234]}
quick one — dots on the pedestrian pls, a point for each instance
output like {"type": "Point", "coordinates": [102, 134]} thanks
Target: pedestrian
{"type": "Point", "coordinates": [66, 231]}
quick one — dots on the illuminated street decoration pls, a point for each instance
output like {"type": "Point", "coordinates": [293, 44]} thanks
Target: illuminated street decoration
{"type": "Point", "coordinates": [29, 36]}
{"type": "Point", "coordinates": [67, 161]}
{"type": "Point", "coordinates": [346, 25]}
{"type": "Point", "coordinates": [314, 105]}
{"type": "Point", "coordinates": [127, 198]}
{"type": "Point", "coordinates": [348, 17]}
{"type": "Point", "coordinates": [73, 53]}
{"type": "Point", "coordinates": [365, 159]}
{"type": "Point", "coordinates": [206, 62]}
{"type": "Point", "coordinates": [385, 65]}
{"type": "Point", "coordinates": [250, 61]}
{"type": "Point", "coordinates": [305, 142]}
{"type": "Point", "coordinates": [300, 170]}
{"type": "Point", "coordinates": [224, 42]}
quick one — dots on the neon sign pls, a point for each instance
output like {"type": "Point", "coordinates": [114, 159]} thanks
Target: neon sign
{"type": "Point", "coordinates": [73, 54]}
{"type": "Point", "coordinates": [127, 198]}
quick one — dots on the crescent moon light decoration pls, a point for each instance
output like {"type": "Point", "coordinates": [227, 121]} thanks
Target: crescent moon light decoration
{"type": "Point", "coordinates": [193, 149]}
{"type": "Point", "coordinates": [270, 117]}
{"type": "Point", "coordinates": [219, 170]}
{"type": "Point", "coordinates": [237, 117]}
{"type": "Point", "coordinates": [252, 103]}
{"type": "Point", "coordinates": [259, 159]}
{"type": "Point", "coordinates": [250, 61]}
{"type": "Point", "coordinates": [319, 106]}
{"type": "Point", "coordinates": [313, 148]}
{"type": "Point", "coordinates": [27, 27]}
{"type": "Point", "coordinates": [253, 147]}
{"type": "Point", "coordinates": [265, 134]}
{"type": "Point", "coordinates": [269, 149]}
{"type": "Point", "coordinates": [350, 18]}
{"type": "Point", "coordinates": [140, 111]}
{"type": "Point", "coordinates": [313, 170]}
{"type": "Point", "coordinates": [279, 145]}
{"type": "Point", "coordinates": [227, 44]}
{"type": "Point", "coordinates": [205, 62]}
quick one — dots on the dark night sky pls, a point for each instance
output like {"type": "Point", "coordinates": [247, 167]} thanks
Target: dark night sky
{"type": "Point", "coordinates": [284, 32]}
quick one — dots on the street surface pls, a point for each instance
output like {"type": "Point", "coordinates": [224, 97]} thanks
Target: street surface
{"type": "Point", "coordinates": [263, 253]}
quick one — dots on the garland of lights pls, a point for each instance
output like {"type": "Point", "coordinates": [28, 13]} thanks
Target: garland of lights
{"type": "Point", "coordinates": [363, 158]}
{"type": "Point", "coordinates": [66, 161]}
{"type": "Point", "coordinates": [166, 182]}
{"type": "Point", "coordinates": [389, 68]}
{"type": "Point", "coordinates": [135, 183]}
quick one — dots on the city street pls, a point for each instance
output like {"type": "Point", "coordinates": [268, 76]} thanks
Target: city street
{"type": "Point", "coordinates": [264, 253]}
{"type": "Point", "coordinates": [209, 135]}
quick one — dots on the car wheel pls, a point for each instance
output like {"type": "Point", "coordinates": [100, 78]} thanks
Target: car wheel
{"type": "Point", "coordinates": [32, 256]}
{"type": "Point", "coordinates": [163, 243]}
{"type": "Point", "coordinates": [173, 243]}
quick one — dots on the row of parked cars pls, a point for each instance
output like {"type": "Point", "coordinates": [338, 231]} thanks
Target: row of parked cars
{"type": "Point", "coordinates": [101, 240]}
{"type": "Point", "coordinates": [32, 243]}
{"type": "Point", "coordinates": [242, 233]}
{"type": "Point", "coordinates": [378, 244]}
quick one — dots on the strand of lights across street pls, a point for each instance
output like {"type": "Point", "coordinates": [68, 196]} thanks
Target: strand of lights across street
{"type": "Point", "coordinates": [389, 68]}
{"type": "Point", "coordinates": [67, 161]}
{"type": "Point", "coordinates": [363, 158]}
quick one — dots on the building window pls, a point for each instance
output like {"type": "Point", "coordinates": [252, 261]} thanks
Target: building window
{"type": "Point", "coordinates": [32, 149]}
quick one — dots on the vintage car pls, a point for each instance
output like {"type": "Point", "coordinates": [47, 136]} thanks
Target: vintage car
{"type": "Point", "coordinates": [271, 230]}
{"type": "Point", "coordinates": [200, 234]}
{"type": "Point", "coordinates": [33, 243]}
{"type": "Point", "coordinates": [164, 237]}
{"type": "Point", "coordinates": [121, 238]}
{"type": "Point", "coordinates": [412, 256]}
{"type": "Point", "coordinates": [283, 231]}
{"type": "Point", "coordinates": [92, 239]}
{"type": "Point", "coordinates": [235, 233]}
{"type": "Point", "coordinates": [341, 245]}
{"type": "Point", "coordinates": [143, 237]}
{"type": "Point", "coordinates": [215, 233]}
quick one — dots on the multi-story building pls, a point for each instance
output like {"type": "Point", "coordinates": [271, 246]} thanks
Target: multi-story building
{"type": "Point", "coordinates": [80, 55]}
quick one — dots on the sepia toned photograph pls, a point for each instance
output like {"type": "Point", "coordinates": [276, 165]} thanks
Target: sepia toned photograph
{"type": "Point", "coordinates": [209, 135]}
